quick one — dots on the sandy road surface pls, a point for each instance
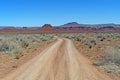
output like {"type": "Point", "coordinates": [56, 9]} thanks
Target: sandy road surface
{"type": "Point", "coordinates": [61, 61]}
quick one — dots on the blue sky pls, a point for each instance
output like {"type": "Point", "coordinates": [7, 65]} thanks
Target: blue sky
{"type": "Point", "coordinates": [57, 12]}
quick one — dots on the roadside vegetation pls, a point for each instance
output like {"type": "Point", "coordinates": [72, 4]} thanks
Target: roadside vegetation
{"type": "Point", "coordinates": [102, 48]}
{"type": "Point", "coordinates": [17, 49]}
{"type": "Point", "coordinates": [17, 44]}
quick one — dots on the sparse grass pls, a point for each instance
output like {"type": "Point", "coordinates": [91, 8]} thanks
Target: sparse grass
{"type": "Point", "coordinates": [15, 44]}
{"type": "Point", "coordinates": [112, 55]}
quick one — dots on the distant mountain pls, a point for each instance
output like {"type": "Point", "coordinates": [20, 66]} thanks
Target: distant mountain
{"type": "Point", "coordinates": [105, 25]}
{"type": "Point", "coordinates": [71, 27]}
{"type": "Point", "coordinates": [75, 24]}
{"type": "Point", "coordinates": [71, 24]}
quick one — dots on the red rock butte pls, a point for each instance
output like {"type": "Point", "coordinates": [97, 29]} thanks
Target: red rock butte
{"type": "Point", "coordinates": [47, 27]}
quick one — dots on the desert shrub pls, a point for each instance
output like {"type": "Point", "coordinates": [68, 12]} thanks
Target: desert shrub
{"type": "Point", "coordinates": [4, 47]}
{"type": "Point", "coordinates": [102, 39]}
{"type": "Point", "coordinates": [17, 56]}
{"type": "Point", "coordinates": [10, 47]}
{"type": "Point", "coordinates": [24, 44]}
{"type": "Point", "coordinates": [14, 44]}
{"type": "Point", "coordinates": [77, 39]}
{"type": "Point", "coordinates": [112, 54]}
{"type": "Point", "coordinates": [110, 60]}
{"type": "Point", "coordinates": [93, 41]}
{"type": "Point", "coordinates": [86, 43]}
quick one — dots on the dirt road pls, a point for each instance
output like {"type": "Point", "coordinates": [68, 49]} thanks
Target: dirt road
{"type": "Point", "coordinates": [60, 61]}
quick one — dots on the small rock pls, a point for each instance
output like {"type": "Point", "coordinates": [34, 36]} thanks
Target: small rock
{"type": "Point", "coordinates": [14, 66]}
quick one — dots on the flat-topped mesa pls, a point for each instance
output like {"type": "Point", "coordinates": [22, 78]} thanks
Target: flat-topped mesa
{"type": "Point", "coordinates": [47, 27]}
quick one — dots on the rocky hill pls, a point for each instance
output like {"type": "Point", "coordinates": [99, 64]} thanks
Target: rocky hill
{"type": "Point", "coordinates": [47, 27]}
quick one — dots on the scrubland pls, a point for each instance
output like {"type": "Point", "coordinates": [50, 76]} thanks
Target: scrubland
{"type": "Point", "coordinates": [102, 48]}
{"type": "Point", "coordinates": [16, 49]}
{"type": "Point", "coordinates": [15, 44]}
